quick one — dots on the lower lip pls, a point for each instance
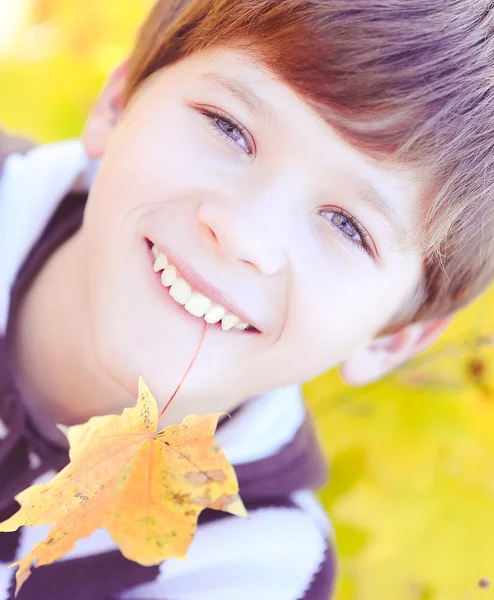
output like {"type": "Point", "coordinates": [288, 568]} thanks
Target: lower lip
{"type": "Point", "coordinates": [164, 296]}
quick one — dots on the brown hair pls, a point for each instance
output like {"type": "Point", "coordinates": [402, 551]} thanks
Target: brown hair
{"type": "Point", "coordinates": [407, 81]}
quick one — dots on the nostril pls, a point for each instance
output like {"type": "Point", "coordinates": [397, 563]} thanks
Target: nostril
{"type": "Point", "coordinates": [251, 264]}
{"type": "Point", "coordinates": [210, 233]}
{"type": "Point", "coordinates": [213, 235]}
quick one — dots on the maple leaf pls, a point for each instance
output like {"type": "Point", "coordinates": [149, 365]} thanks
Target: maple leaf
{"type": "Point", "coordinates": [147, 488]}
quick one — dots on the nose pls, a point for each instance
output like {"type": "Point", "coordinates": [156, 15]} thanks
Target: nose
{"type": "Point", "coordinates": [240, 233]}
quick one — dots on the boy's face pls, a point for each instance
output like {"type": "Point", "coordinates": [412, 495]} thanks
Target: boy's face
{"type": "Point", "coordinates": [269, 206]}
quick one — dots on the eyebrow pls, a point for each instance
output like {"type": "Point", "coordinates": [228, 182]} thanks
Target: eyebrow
{"type": "Point", "coordinates": [400, 235]}
{"type": "Point", "coordinates": [240, 91]}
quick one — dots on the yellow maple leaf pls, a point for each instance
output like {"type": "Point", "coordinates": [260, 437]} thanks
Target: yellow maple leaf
{"type": "Point", "coordinates": [147, 488]}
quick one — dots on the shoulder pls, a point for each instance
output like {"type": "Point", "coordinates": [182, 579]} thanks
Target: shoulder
{"type": "Point", "coordinates": [280, 552]}
{"type": "Point", "coordinates": [12, 144]}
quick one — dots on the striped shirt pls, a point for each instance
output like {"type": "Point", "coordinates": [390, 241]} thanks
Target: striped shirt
{"type": "Point", "coordinates": [283, 552]}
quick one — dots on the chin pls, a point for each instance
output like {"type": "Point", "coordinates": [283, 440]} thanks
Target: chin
{"type": "Point", "coordinates": [124, 355]}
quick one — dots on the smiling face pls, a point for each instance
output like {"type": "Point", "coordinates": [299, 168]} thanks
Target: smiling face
{"type": "Point", "coordinates": [258, 201]}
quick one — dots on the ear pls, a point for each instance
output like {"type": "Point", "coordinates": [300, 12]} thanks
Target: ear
{"type": "Point", "coordinates": [105, 114]}
{"type": "Point", "coordinates": [383, 355]}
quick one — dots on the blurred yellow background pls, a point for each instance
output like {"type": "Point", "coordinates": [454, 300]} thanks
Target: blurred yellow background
{"type": "Point", "coordinates": [412, 457]}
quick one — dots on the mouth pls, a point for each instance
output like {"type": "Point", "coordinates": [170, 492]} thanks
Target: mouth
{"type": "Point", "coordinates": [189, 294]}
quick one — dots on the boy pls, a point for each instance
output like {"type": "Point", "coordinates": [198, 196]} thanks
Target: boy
{"type": "Point", "coordinates": [311, 178]}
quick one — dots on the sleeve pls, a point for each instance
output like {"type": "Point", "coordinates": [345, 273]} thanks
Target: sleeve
{"type": "Point", "coordinates": [279, 553]}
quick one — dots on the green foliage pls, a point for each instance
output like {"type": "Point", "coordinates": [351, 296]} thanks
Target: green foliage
{"type": "Point", "coordinates": [412, 490]}
{"type": "Point", "coordinates": [59, 61]}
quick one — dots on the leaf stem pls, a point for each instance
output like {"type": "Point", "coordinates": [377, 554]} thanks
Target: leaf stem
{"type": "Point", "coordinates": [188, 368]}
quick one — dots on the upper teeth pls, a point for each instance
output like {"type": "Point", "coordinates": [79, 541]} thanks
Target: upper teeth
{"type": "Point", "coordinates": [194, 302]}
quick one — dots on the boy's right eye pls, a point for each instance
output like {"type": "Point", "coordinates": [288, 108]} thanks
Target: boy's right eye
{"type": "Point", "coordinates": [230, 130]}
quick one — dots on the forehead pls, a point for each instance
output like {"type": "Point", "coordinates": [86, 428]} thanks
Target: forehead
{"type": "Point", "coordinates": [391, 191]}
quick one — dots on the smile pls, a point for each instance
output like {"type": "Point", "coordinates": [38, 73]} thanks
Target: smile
{"type": "Point", "coordinates": [194, 302]}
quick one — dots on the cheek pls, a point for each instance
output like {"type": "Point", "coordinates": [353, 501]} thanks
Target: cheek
{"type": "Point", "coordinates": [329, 318]}
{"type": "Point", "coordinates": [146, 165]}
{"type": "Point", "coordinates": [130, 175]}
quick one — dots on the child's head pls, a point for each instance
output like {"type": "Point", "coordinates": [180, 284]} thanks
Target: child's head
{"type": "Point", "coordinates": [326, 164]}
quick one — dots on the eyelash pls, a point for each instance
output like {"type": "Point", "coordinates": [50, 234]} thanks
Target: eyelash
{"type": "Point", "coordinates": [214, 115]}
{"type": "Point", "coordinates": [364, 244]}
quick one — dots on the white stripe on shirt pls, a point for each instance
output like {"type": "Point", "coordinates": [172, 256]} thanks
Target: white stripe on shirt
{"type": "Point", "coordinates": [273, 555]}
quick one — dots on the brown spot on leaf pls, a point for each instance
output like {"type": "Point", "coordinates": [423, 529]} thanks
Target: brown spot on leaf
{"type": "Point", "coordinates": [197, 479]}
{"type": "Point", "coordinates": [179, 498]}
{"type": "Point", "coordinates": [216, 475]}
{"type": "Point", "coordinates": [223, 502]}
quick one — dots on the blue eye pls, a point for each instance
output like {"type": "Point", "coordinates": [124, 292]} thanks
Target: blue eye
{"type": "Point", "coordinates": [233, 132]}
{"type": "Point", "coordinates": [348, 227]}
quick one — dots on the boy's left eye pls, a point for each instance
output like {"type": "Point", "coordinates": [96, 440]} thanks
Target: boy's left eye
{"type": "Point", "coordinates": [229, 130]}
{"type": "Point", "coordinates": [348, 227]}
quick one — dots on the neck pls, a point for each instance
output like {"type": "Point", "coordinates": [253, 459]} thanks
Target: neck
{"type": "Point", "coordinates": [56, 369]}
